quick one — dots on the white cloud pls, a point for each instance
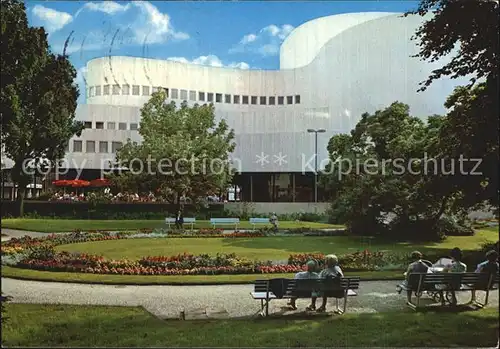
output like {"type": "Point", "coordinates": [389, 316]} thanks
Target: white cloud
{"type": "Point", "coordinates": [149, 25]}
{"type": "Point", "coordinates": [210, 60]}
{"type": "Point", "coordinates": [81, 74]}
{"type": "Point", "coordinates": [109, 7]}
{"type": "Point", "coordinates": [52, 20]}
{"type": "Point", "coordinates": [265, 42]}
{"type": "Point", "coordinates": [248, 39]}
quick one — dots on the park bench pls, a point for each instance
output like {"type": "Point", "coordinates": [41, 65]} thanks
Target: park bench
{"type": "Point", "coordinates": [450, 283]}
{"type": "Point", "coordinates": [303, 288]}
{"type": "Point", "coordinates": [255, 221]}
{"type": "Point", "coordinates": [187, 220]}
{"type": "Point", "coordinates": [225, 221]}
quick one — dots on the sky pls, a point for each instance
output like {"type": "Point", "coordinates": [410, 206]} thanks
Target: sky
{"type": "Point", "coordinates": [241, 34]}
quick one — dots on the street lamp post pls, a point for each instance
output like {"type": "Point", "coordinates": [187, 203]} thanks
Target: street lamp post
{"type": "Point", "coordinates": [316, 131]}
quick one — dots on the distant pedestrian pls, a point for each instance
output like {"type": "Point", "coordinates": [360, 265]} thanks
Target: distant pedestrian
{"type": "Point", "coordinates": [274, 221]}
{"type": "Point", "coordinates": [179, 220]}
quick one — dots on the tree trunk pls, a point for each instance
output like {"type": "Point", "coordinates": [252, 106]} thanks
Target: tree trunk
{"type": "Point", "coordinates": [21, 192]}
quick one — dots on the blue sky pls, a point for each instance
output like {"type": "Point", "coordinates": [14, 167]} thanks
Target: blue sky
{"type": "Point", "coordinates": [238, 34]}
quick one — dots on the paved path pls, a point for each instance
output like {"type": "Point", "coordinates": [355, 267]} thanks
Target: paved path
{"type": "Point", "coordinates": [197, 301]}
{"type": "Point", "coordinates": [12, 233]}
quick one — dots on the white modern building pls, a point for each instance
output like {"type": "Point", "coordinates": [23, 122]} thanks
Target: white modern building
{"type": "Point", "coordinates": [332, 69]}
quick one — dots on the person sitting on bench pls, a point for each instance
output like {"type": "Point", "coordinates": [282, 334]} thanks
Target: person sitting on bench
{"type": "Point", "coordinates": [310, 273]}
{"type": "Point", "coordinates": [332, 271]}
{"type": "Point", "coordinates": [490, 265]}
{"type": "Point", "coordinates": [456, 266]}
{"type": "Point", "coordinates": [417, 266]}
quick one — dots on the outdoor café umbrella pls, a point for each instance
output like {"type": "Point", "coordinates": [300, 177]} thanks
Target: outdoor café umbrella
{"type": "Point", "coordinates": [62, 183]}
{"type": "Point", "coordinates": [79, 183]}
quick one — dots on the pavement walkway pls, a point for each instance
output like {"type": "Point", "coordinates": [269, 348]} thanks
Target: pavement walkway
{"type": "Point", "coordinates": [225, 301]}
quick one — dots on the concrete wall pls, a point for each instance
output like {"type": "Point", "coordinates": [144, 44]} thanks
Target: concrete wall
{"type": "Point", "coordinates": [278, 207]}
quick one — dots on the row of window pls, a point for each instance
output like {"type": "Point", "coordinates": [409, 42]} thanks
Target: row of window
{"type": "Point", "coordinates": [196, 96]}
{"type": "Point", "coordinates": [111, 125]}
{"type": "Point", "coordinates": [90, 146]}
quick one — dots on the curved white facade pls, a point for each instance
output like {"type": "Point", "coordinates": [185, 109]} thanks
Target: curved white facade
{"type": "Point", "coordinates": [333, 69]}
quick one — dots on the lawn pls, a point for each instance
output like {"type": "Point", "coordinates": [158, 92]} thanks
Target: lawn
{"type": "Point", "coordinates": [79, 326]}
{"type": "Point", "coordinates": [67, 225]}
{"type": "Point", "coordinates": [267, 248]}
{"type": "Point", "coordinates": [28, 274]}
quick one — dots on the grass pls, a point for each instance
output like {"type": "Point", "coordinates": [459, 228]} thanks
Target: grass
{"type": "Point", "coordinates": [267, 248]}
{"type": "Point", "coordinates": [100, 326]}
{"type": "Point", "coordinates": [67, 225]}
{"type": "Point", "coordinates": [28, 274]}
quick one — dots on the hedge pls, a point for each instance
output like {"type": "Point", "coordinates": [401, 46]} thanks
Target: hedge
{"type": "Point", "coordinates": [86, 210]}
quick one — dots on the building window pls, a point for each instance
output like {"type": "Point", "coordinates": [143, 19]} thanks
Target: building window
{"type": "Point", "coordinates": [155, 89]}
{"type": "Point", "coordinates": [145, 90]}
{"type": "Point", "coordinates": [201, 96]}
{"type": "Point", "coordinates": [88, 124]}
{"type": "Point", "coordinates": [99, 125]}
{"type": "Point", "coordinates": [218, 97]}
{"type": "Point", "coordinates": [125, 89]}
{"type": "Point", "coordinates": [91, 91]}
{"type": "Point", "coordinates": [115, 146]}
{"type": "Point", "coordinates": [262, 100]}
{"type": "Point", "coordinates": [166, 92]}
{"type": "Point", "coordinates": [297, 99]}
{"type": "Point", "coordinates": [281, 100]}
{"type": "Point", "coordinates": [227, 98]}
{"type": "Point", "coordinates": [103, 147]}
{"type": "Point", "coordinates": [192, 95]}
{"type": "Point", "coordinates": [236, 99]}
{"type": "Point", "coordinates": [184, 95]}
{"type": "Point", "coordinates": [289, 100]}
{"type": "Point", "coordinates": [111, 126]}
{"type": "Point", "coordinates": [122, 126]}
{"type": "Point", "coordinates": [175, 93]}
{"type": "Point", "coordinates": [245, 100]}
{"type": "Point", "coordinates": [90, 147]}
{"type": "Point", "coordinates": [98, 90]}
{"type": "Point", "coordinates": [133, 127]}
{"type": "Point", "coordinates": [116, 89]}
{"type": "Point", "coordinates": [135, 90]}
{"type": "Point", "coordinates": [272, 100]}
{"type": "Point", "coordinates": [105, 90]}
{"type": "Point", "coordinates": [254, 99]}
{"type": "Point", "coordinates": [210, 97]}
{"type": "Point", "coordinates": [77, 146]}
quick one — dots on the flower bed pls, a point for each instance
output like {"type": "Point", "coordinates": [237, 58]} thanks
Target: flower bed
{"type": "Point", "coordinates": [39, 254]}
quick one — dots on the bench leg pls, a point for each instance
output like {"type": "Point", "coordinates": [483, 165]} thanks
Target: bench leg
{"type": "Point", "coordinates": [486, 299]}
{"type": "Point", "coordinates": [409, 302]}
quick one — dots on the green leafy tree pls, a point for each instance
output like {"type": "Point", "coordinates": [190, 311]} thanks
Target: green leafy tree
{"type": "Point", "coordinates": [184, 152]}
{"type": "Point", "coordinates": [471, 127]}
{"type": "Point", "coordinates": [38, 96]}
{"type": "Point", "coordinates": [386, 178]}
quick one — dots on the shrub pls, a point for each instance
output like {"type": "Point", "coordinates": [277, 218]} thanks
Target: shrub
{"type": "Point", "coordinates": [4, 300]}
{"type": "Point", "coordinates": [451, 227]}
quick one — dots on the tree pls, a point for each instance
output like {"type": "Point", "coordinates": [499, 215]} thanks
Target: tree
{"type": "Point", "coordinates": [471, 127]}
{"type": "Point", "coordinates": [184, 152]}
{"type": "Point", "coordinates": [39, 98]}
{"type": "Point", "coordinates": [386, 178]}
